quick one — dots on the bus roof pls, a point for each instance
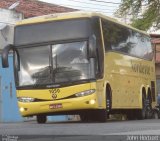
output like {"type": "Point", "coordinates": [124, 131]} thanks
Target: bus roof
{"type": "Point", "coordinates": [72, 15]}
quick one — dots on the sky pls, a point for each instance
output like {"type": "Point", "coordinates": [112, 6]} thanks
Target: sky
{"type": "Point", "coordinates": [107, 7]}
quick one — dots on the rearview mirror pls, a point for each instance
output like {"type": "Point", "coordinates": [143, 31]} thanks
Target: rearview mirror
{"type": "Point", "coordinates": [5, 53]}
{"type": "Point", "coordinates": [92, 46]}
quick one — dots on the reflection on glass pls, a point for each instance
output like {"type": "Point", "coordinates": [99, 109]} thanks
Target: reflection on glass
{"type": "Point", "coordinates": [57, 63]}
{"type": "Point", "coordinates": [70, 62]}
{"type": "Point", "coordinates": [125, 40]}
{"type": "Point", "coordinates": [32, 61]}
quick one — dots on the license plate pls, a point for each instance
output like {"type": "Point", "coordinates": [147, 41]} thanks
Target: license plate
{"type": "Point", "coordinates": [55, 106]}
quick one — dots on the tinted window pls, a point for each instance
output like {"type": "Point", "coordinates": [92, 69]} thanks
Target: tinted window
{"type": "Point", "coordinates": [52, 31]}
{"type": "Point", "coordinates": [125, 40]}
{"type": "Point", "coordinates": [116, 37]}
{"type": "Point", "coordinates": [141, 46]}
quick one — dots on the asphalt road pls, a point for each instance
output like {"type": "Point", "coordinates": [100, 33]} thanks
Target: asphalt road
{"type": "Point", "coordinates": [112, 130]}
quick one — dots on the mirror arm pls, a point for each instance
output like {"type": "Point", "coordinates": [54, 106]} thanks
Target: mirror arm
{"type": "Point", "coordinates": [92, 46]}
{"type": "Point", "coordinates": [5, 53]}
{"type": "Point", "coordinates": [18, 58]}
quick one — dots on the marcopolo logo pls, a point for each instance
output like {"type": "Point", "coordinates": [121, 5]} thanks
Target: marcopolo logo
{"type": "Point", "coordinates": [54, 93]}
{"type": "Point", "coordinates": [54, 96]}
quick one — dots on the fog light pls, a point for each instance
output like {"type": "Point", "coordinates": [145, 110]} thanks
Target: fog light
{"type": "Point", "coordinates": [92, 101]}
{"type": "Point", "coordinates": [21, 109]}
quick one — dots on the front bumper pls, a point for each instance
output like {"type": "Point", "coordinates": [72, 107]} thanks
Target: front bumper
{"type": "Point", "coordinates": [67, 105]}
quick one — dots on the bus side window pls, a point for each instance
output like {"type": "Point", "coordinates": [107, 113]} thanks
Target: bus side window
{"type": "Point", "coordinates": [116, 37]}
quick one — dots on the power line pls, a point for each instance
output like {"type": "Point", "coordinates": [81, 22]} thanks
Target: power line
{"type": "Point", "coordinates": [85, 7]}
{"type": "Point", "coordinates": [94, 10]}
{"type": "Point", "coordinates": [101, 11]}
{"type": "Point", "coordinates": [105, 1]}
{"type": "Point", "coordinates": [92, 3]}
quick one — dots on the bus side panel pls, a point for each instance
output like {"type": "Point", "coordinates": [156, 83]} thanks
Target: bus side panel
{"type": "Point", "coordinates": [127, 75]}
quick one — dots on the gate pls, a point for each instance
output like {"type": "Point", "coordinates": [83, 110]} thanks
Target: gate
{"type": "Point", "coordinates": [8, 102]}
{"type": "Point", "coordinates": [0, 99]}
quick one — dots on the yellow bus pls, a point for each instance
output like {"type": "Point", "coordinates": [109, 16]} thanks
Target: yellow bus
{"type": "Point", "coordinates": [82, 63]}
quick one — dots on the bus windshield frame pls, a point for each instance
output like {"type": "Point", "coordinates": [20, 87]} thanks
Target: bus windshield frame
{"type": "Point", "coordinates": [54, 64]}
{"type": "Point", "coordinates": [61, 32]}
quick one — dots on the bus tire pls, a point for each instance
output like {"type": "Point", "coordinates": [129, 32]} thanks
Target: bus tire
{"type": "Point", "coordinates": [141, 113]}
{"type": "Point", "coordinates": [149, 110]}
{"type": "Point", "coordinates": [87, 116]}
{"type": "Point", "coordinates": [41, 119]}
{"type": "Point", "coordinates": [108, 100]}
{"type": "Point", "coordinates": [84, 117]}
{"type": "Point", "coordinates": [131, 115]}
{"type": "Point", "coordinates": [102, 115]}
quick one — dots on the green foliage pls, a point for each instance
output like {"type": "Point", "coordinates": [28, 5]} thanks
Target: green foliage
{"type": "Point", "coordinates": [150, 16]}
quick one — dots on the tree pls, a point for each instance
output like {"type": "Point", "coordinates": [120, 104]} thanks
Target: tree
{"type": "Point", "coordinates": [145, 13]}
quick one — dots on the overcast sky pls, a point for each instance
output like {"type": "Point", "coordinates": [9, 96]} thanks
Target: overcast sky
{"type": "Point", "coordinates": [107, 7]}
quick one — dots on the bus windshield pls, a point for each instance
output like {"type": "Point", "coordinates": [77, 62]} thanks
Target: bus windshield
{"type": "Point", "coordinates": [54, 63]}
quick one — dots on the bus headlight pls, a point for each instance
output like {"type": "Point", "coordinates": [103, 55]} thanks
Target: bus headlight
{"type": "Point", "coordinates": [21, 109]}
{"type": "Point", "coordinates": [26, 99]}
{"type": "Point", "coordinates": [85, 93]}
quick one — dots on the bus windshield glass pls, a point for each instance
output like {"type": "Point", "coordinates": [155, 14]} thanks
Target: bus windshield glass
{"type": "Point", "coordinates": [54, 64]}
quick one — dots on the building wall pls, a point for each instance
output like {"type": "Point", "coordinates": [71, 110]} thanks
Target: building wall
{"type": "Point", "coordinates": [6, 36]}
{"type": "Point", "coordinates": [8, 19]}
{"type": "Point", "coordinates": [8, 102]}
{"type": "Point", "coordinates": [155, 38]}
{"type": "Point", "coordinates": [10, 16]}
{"type": "Point", "coordinates": [157, 65]}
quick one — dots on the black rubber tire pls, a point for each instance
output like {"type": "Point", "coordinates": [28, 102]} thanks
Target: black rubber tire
{"type": "Point", "coordinates": [131, 115]}
{"type": "Point", "coordinates": [108, 101]}
{"type": "Point", "coordinates": [88, 116]}
{"type": "Point", "coordinates": [41, 119]}
{"type": "Point", "coordinates": [84, 117]}
{"type": "Point", "coordinates": [141, 113]}
{"type": "Point", "coordinates": [101, 115]}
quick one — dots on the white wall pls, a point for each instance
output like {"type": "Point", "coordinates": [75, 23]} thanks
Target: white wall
{"type": "Point", "coordinates": [8, 18]}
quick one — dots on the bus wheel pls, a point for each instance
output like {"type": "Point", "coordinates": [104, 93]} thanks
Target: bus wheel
{"type": "Point", "coordinates": [131, 115]}
{"type": "Point", "coordinates": [41, 119]}
{"type": "Point", "coordinates": [108, 100]}
{"type": "Point", "coordinates": [141, 114]}
{"type": "Point", "coordinates": [86, 117]}
{"type": "Point", "coordinates": [101, 115]}
{"type": "Point", "coordinates": [149, 110]}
